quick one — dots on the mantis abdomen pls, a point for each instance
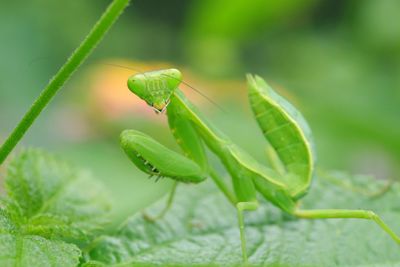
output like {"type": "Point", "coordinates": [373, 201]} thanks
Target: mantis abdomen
{"type": "Point", "coordinates": [287, 132]}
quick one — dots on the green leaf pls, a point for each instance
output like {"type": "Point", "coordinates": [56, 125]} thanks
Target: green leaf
{"type": "Point", "coordinates": [29, 250]}
{"type": "Point", "coordinates": [201, 230]}
{"type": "Point", "coordinates": [48, 206]}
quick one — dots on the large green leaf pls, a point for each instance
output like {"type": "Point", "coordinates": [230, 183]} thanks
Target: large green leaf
{"type": "Point", "coordinates": [30, 250]}
{"type": "Point", "coordinates": [201, 230]}
{"type": "Point", "coordinates": [48, 206]}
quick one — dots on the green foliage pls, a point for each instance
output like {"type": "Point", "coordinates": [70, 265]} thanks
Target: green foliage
{"type": "Point", "coordinates": [201, 230]}
{"type": "Point", "coordinates": [49, 206]}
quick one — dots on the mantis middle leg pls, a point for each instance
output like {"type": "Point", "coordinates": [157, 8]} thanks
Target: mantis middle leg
{"type": "Point", "coordinates": [241, 207]}
{"type": "Point", "coordinates": [168, 205]}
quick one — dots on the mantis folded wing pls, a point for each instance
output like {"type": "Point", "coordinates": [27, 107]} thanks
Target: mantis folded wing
{"type": "Point", "coordinates": [287, 132]}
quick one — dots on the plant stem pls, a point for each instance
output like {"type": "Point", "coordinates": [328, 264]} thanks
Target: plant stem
{"type": "Point", "coordinates": [74, 61]}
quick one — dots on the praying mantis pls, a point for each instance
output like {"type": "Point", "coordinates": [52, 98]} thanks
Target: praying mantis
{"type": "Point", "coordinates": [290, 148]}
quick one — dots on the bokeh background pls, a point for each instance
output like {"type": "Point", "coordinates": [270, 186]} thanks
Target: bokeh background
{"type": "Point", "coordinates": [337, 61]}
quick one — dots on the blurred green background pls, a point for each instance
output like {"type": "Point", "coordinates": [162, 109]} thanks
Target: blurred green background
{"type": "Point", "coordinates": [337, 61]}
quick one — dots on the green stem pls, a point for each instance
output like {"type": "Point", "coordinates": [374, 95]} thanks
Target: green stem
{"type": "Point", "coordinates": [74, 61]}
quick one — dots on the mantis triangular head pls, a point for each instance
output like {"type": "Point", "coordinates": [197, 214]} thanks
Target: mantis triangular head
{"type": "Point", "coordinates": [155, 87]}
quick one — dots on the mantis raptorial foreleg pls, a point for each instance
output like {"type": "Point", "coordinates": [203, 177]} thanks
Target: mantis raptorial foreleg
{"type": "Point", "coordinates": [291, 152]}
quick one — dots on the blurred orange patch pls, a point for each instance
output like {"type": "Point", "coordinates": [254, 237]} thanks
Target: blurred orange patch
{"type": "Point", "coordinates": [111, 95]}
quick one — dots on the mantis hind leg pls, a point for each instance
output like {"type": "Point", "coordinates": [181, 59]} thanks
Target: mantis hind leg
{"type": "Point", "coordinates": [354, 214]}
{"type": "Point", "coordinates": [164, 211]}
{"type": "Point", "coordinates": [241, 207]}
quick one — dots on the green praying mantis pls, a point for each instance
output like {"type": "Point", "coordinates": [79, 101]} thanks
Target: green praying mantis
{"type": "Point", "coordinates": [291, 150]}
